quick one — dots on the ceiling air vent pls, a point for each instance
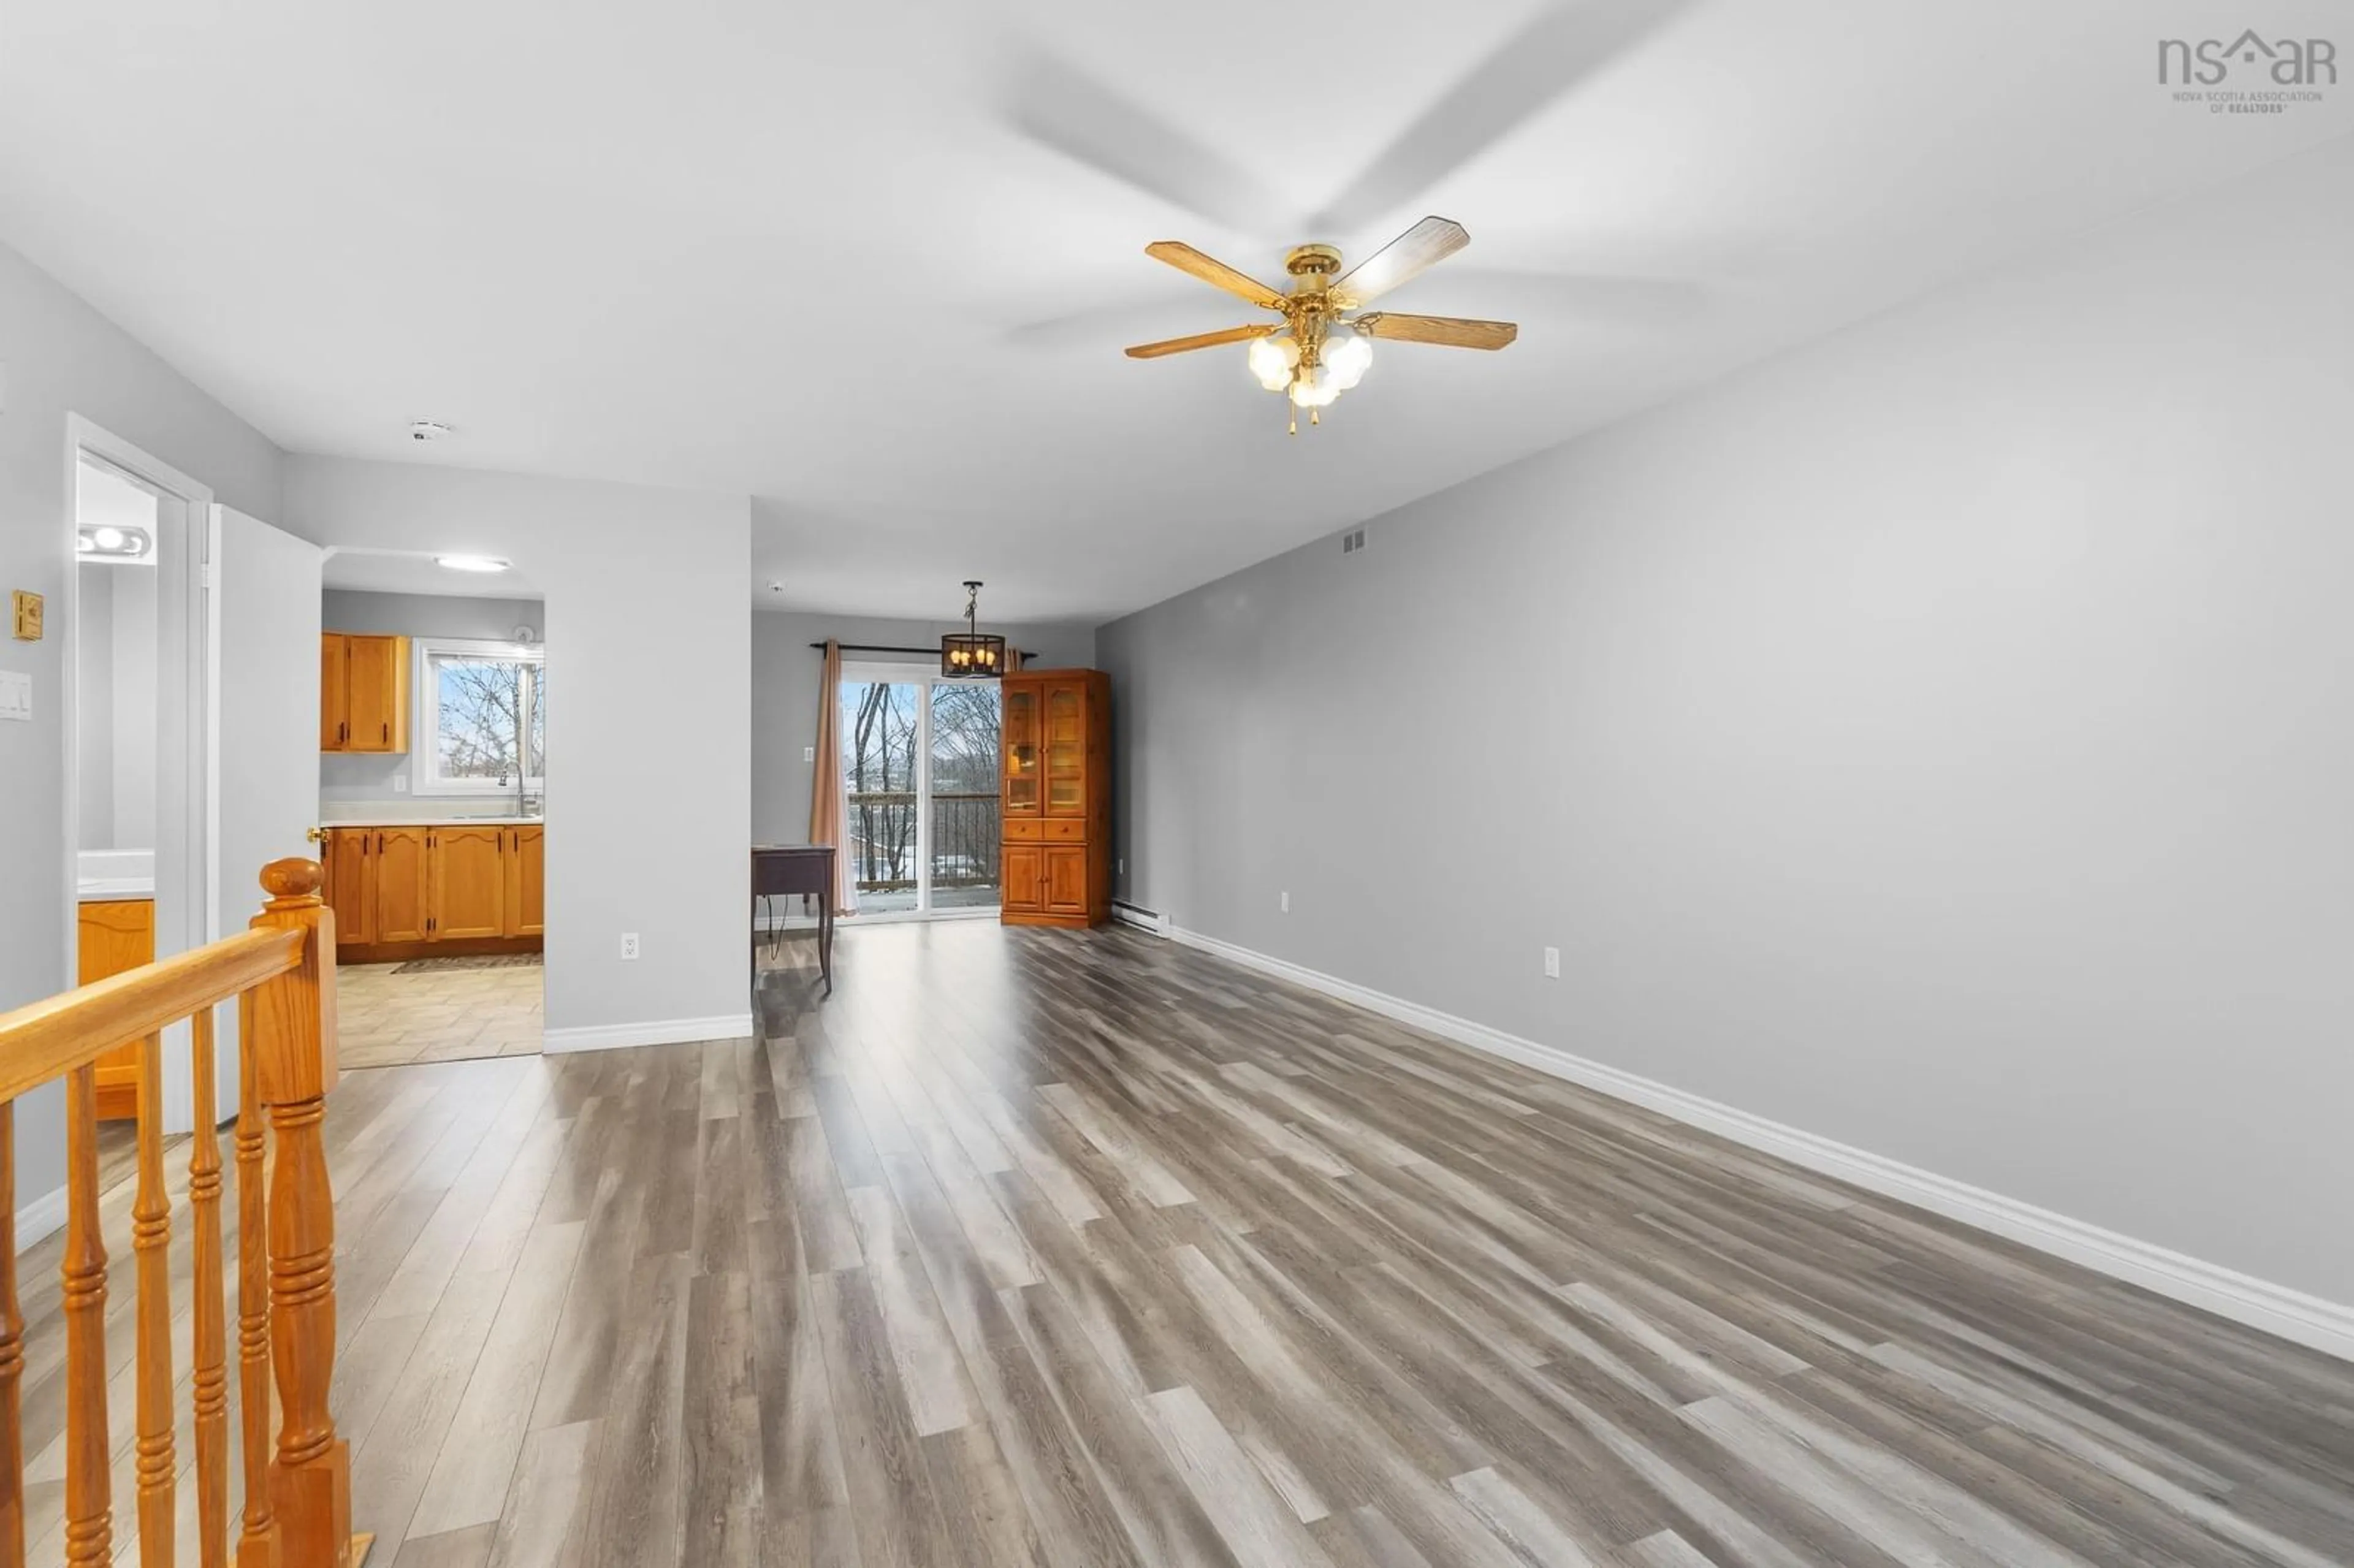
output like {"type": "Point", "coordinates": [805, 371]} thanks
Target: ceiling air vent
{"type": "Point", "coordinates": [1353, 541]}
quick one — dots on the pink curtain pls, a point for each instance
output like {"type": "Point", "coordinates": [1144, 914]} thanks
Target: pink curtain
{"type": "Point", "coordinates": [829, 812]}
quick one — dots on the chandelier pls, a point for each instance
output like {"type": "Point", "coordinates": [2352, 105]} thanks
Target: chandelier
{"type": "Point", "coordinates": [971, 654]}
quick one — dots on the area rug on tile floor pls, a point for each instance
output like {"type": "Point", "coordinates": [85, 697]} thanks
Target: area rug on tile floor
{"type": "Point", "coordinates": [470, 961]}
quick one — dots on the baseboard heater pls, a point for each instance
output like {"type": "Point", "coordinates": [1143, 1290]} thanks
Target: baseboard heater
{"type": "Point", "coordinates": [1143, 919]}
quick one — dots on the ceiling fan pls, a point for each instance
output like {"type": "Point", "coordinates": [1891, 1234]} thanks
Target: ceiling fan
{"type": "Point", "coordinates": [1323, 342]}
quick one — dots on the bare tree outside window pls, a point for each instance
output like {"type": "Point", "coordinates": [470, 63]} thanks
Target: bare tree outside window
{"type": "Point", "coordinates": [883, 761]}
{"type": "Point", "coordinates": [476, 701]}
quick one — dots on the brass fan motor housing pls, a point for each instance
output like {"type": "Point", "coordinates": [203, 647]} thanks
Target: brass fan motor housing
{"type": "Point", "coordinates": [1304, 259]}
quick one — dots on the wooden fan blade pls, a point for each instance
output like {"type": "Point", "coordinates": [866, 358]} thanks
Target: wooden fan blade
{"type": "Point", "coordinates": [1451, 331]}
{"type": "Point", "coordinates": [1216, 274]}
{"type": "Point", "coordinates": [1201, 340]}
{"type": "Point", "coordinates": [1432, 240]}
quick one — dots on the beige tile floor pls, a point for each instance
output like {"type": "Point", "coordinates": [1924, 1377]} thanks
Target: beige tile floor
{"type": "Point", "coordinates": [390, 1020]}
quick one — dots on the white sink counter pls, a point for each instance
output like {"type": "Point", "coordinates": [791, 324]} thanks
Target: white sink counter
{"type": "Point", "coordinates": [104, 874]}
{"type": "Point", "coordinates": [432, 820]}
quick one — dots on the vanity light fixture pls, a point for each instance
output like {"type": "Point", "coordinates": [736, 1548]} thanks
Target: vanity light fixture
{"type": "Point", "coordinates": [107, 543]}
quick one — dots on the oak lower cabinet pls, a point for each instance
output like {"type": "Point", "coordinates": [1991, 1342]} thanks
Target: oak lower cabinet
{"type": "Point", "coordinates": [1020, 868]}
{"type": "Point", "coordinates": [1065, 879]}
{"type": "Point", "coordinates": [403, 886]}
{"type": "Point", "coordinates": [1054, 799]}
{"type": "Point", "coordinates": [348, 857]}
{"type": "Point", "coordinates": [401, 891]}
{"type": "Point", "coordinates": [112, 935]}
{"type": "Point", "coordinates": [468, 881]}
{"type": "Point", "coordinates": [526, 872]}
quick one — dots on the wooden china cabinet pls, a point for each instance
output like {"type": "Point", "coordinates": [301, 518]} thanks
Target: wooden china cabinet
{"type": "Point", "coordinates": [1055, 860]}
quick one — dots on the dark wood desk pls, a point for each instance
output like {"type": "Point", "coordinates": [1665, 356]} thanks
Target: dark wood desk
{"type": "Point", "coordinates": [781, 870]}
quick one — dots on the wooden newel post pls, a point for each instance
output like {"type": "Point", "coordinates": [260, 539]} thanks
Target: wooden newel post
{"type": "Point", "coordinates": [293, 1045]}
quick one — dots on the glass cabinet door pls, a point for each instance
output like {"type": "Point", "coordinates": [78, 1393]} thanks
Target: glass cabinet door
{"type": "Point", "coordinates": [1066, 750]}
{"type": "Point", "coordinates": [1022, 770]}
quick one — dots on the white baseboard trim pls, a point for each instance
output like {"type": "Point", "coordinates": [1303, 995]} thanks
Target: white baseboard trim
{"type": "Point", "coordinates": [44, 1216]}
{"type": "Point", "coordinates": [660, 1031]}
{"type": "Point", "coordinates": [1141, 919]}
{"type": "Point", "coordinates": [2325, 1326]}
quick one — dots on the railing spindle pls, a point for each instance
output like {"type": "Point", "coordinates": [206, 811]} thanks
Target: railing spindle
{"type": "Point", "coordinates": [151, 1246]}
{"type": "Point", "coordinates": [12, 1354]}
{"type": "Point", "coordinates": [293, 1047]}
{"type": "Point", "coordinates": [208, 1353]}
{"type": "Point", "coordinates": [257, 1545]}
{"type": "Point", "coordinates": [89, 1521]}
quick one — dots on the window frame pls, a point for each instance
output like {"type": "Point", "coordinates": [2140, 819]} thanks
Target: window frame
{"type": "Point", "coordinates": [425, 757]}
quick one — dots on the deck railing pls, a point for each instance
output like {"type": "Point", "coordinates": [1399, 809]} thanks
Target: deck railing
{"type": "Point", "coordinates": [964, 839]}
{"type": "Point", "coordinates": [297, 1502]}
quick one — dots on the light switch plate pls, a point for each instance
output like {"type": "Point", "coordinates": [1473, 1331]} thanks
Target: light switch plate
{"type": "Point", "coordinates": [16, 695]}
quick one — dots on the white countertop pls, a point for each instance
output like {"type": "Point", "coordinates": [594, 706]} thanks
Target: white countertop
{"type": "Point", "coordinates": [432, 820]}
{"type": "Point", "coordinates": [107, 889]}
{"type": "Point", "coordinates": [112, 874]}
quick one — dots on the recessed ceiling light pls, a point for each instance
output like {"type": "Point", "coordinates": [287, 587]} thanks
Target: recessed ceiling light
{"type": "Point", "coordinates": [470, 563]}
{"type": "Point", "coordinates": [427, 429]}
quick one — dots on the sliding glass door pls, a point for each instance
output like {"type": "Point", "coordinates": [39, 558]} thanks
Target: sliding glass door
{"type": "Point", "coordinates": [919, 771]}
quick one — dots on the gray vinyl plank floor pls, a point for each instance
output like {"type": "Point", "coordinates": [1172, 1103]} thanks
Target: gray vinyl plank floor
{"type": "Point", "coordinates": [1085, 1248]}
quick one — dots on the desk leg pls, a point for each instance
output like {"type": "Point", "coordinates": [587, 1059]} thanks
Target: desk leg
{"type": "Point", "coordinates": [825, 938]}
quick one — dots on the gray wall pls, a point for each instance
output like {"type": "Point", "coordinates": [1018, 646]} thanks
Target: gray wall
{"type": "Point", "coordinates": [1937, 739]}
{"type": "Point", "coordinates": [356, 776]}
{"type": "Point", "coordinates": [136, 706]}
{"type": "Point", "coordinates": [648, 611]}
{"type": "Point", "coordinates": [94, 688]}
{"type": "Point", "coordinates": [785, 671]}
{"type": "Point", "coordinates": [64, 358]}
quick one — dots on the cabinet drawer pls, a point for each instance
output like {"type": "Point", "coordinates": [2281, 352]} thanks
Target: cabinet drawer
{"type": "Point", "coordinates": [1023, 830]}
{"type": "Point", "coordinates": [1065, 830]}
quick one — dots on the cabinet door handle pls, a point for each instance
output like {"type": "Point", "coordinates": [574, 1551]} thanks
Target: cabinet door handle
{"type": "Point", "coordinates": [387, 732]}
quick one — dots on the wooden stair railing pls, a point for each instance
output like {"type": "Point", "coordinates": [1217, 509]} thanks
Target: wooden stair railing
{"type": "Point", "coordinates": [297, 1501]}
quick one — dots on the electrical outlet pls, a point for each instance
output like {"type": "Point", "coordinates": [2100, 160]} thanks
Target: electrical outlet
{"type": "Point", "coordinates": [1552, 963]}
{"type": "Point", "coordinates": [1120, 867]}
{"type": "Point", "coordinates": [1283, 902]}
{"type": "Point", "coordinates": [809, 754]}
{"type": "Point", "coordinates": [629, 944]}
{"type": "Point", "coordinates": [400, 783]}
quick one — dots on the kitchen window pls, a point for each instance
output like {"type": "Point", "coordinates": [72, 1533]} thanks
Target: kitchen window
{"type": "Point", "coordinates": [479, 706]}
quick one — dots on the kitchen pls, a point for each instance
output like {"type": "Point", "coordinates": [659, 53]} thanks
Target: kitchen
{"type": "Point", "coordinates": [433, 743]}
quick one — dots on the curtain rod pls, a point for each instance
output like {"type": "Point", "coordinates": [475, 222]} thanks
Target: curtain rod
{"type": "Point", "coordinates": [887, 648]}
{"type": "Point", "coordinates": [882, 648]}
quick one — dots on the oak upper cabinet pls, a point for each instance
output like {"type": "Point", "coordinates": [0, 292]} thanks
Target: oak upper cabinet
{"type": "Point", "coordinates": [351, 884]}
{"type": "Point", "coordinates": [468, 882]}
{"type": "Point", "coordinates": [402, 903]}
{"type": "Point", "coordinates": [1056, 802]}
{"type": "Point", "coordinates": [526, 878]}
{"type": "Point", "coordinates": [335, 691]}
{"type": "Point", "coordinates": [363, 692]}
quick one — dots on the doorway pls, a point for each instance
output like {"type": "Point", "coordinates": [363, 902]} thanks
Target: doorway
{"type": "Point", "coordinates": [136, 834]}
{"type": "Point", "coordinates": [919, 758]}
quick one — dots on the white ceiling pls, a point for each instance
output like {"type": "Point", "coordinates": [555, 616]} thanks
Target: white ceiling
{"type": "Point", "coordinates": [413, 571]}
{"type": "Point", "coordinates": [833, 257]}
